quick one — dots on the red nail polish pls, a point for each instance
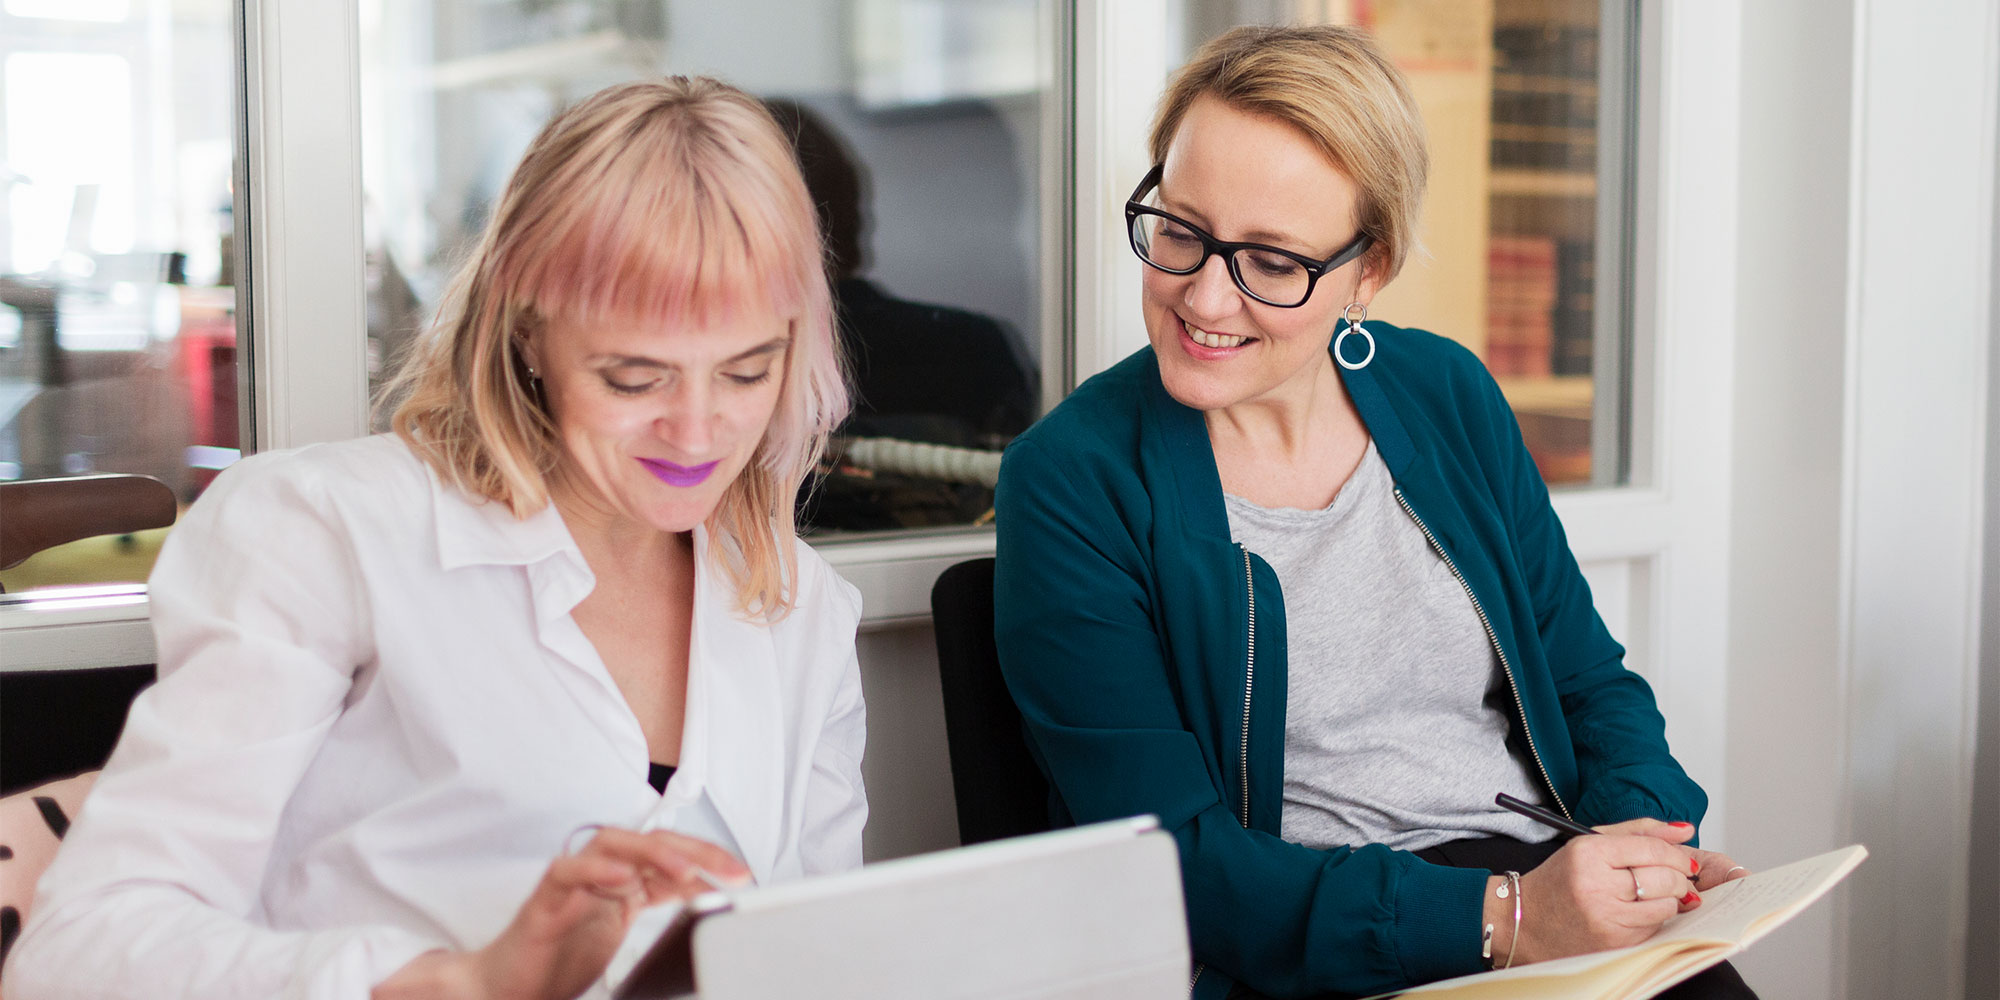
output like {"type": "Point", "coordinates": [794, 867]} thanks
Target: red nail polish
{"type": "Point", "coordinates": [1694, 867]}
{"type": "Point", "coordinates": [1684, 826]}
{"type": "Point", "coordinates": [1691, 898]}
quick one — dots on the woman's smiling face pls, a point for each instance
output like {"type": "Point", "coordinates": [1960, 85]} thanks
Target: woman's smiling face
{"type": "Point", "coordinates": [659, 422]}
{"type": "Point", "coordinates": [1248, 178]}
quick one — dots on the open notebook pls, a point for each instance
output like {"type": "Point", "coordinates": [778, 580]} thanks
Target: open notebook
{"type": "Point", "coordinates": [1731, 917]}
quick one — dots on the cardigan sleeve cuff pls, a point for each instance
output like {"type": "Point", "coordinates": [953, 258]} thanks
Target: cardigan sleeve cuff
{"type": "Point", "coordinates": [1437, 921]}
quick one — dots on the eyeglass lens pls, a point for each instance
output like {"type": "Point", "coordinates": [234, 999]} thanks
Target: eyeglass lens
{"type": "Point", "coordinates": [1272, 277]}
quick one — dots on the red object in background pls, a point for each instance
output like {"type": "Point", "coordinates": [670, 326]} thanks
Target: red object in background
{"type": "Point", "coordinates": [205, 362]}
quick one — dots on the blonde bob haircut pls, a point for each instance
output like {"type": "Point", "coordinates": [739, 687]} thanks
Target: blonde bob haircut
{"type": "Point", "coordinates": [1336, 87]}
{"type": "Point", "coordinates": [674, 202]}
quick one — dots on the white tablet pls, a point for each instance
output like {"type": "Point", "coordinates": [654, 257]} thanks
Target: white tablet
{"type": "Point", "coordinates": [1093, 912]}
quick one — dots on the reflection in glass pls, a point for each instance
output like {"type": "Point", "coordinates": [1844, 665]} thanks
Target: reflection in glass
{"type": "Point", "coordinates": [919, 125]}
{"type": "Point", "coordinates": [117, 322]}
{"type": "Point", "coordinates": [1521, 197]}
{"type": "Point", "coordinates": [923, 372]}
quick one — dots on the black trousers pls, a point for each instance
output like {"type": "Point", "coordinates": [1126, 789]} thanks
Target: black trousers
{"type": "Point", "coordinates": [1498, 854]}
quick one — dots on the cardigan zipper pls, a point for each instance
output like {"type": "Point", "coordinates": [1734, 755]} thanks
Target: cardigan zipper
{"type": "Point", "coordinates": [1494, 638]}
{"type": "Point", "coordinates": [1249, 677]}
{"type": "Point", "coordinates": [1249, 680]}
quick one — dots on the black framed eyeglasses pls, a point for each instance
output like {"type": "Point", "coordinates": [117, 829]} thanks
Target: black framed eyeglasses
{"type": "Point", "coordinates": [1271, 275]}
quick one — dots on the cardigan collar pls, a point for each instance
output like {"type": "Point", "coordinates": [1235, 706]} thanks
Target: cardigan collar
{"type": "Point", "coordinates": [1184, 435]}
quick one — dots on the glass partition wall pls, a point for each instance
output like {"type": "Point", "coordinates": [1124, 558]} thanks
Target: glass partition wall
{"type": "Point", "coordinates": [118, 329]}
{"type": "Point", "coordinates": [936, 134]}
{"type": "Point", "coordinates": [928, 130]}
{"type": "Point", "coordinates": [1526, 234]}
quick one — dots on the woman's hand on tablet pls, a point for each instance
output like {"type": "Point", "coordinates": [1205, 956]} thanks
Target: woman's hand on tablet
{"type": "Point", "coordinates": [565, 934]}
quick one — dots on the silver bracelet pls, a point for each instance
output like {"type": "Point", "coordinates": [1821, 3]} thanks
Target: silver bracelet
{"type": "Point", "coordinates": [1514, 883]}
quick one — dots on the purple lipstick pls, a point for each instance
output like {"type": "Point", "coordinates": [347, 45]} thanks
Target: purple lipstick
{"type": "Point", "coordinates": [678, 475]}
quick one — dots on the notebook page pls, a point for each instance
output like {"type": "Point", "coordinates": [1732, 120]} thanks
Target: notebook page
{"type": "Point", "coordinates": [1730, 917]}
{"type": "Point", "coordinates": [1736, 911]}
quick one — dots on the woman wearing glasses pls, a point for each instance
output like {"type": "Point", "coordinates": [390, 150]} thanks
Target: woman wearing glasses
{"type": "Point", "coordinates": [1289, 580]}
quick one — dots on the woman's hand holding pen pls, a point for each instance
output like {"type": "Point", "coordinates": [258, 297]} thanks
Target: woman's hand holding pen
{"type": "Point", "coordinates": [1594, 910]}
{"type": "Point", "coordinates": [1600, 892]}
{"type": "Point", "coordinates": [565, 934]}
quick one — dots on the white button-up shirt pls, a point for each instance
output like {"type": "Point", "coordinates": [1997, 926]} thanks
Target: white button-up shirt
{"type": "Point", "coordinates": [377, 723]}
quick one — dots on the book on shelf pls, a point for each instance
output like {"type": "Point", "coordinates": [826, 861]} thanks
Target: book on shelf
{"type": "Point", "coordinates": [1731, 917]}
{"type": "Point", "coordinates": [1521, 293]}
{"type": "Point", "coordinates": [1574, 314]}
{"type": "Point", "coordinates": [1545, 97]}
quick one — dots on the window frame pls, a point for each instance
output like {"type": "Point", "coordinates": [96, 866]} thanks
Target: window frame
{"type": "Point", "coordinates": [302, 281]}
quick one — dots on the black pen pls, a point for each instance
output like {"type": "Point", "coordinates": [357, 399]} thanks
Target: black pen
{"type": "Point", "coordinates": [1542, 816]}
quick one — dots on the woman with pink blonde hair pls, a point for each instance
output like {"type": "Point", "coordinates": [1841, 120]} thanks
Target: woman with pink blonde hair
{"type": "Point", "coordinates": [446, 712]}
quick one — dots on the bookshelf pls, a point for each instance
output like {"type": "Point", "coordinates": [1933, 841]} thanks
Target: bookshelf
{"type": "Point", "coordinates": [1511, 93]}
{"type": "Point", "coordinates": [1542, 225]}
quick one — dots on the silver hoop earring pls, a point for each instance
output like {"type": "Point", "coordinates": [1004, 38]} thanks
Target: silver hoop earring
{"type": "Point", "coordinates": [1354, 328]}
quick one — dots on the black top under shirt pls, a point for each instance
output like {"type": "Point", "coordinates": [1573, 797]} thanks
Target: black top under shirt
{"type": "Point", "coordinates": [657, 775]}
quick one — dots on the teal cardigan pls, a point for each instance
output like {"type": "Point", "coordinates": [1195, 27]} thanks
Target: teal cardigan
{"type": "Point", "coordinates": [1147, 653]}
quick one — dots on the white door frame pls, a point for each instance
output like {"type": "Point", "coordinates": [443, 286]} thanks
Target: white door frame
{"type": "Point", "coordinates": [299, 213]}
{"type": "Point", "coordinates": [1922, 220]}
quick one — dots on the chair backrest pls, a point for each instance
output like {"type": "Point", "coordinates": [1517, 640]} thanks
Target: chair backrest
{"type": "Point", "coordinates": [999, 788]}
{"type": "Point", "coordinates": [36, 514]}
{"type": "Point", "coordinates": [59, 722]}
{"type": "Point", "coordinates": [55, 723]}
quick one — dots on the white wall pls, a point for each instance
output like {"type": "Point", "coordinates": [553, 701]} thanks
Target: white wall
{"type": "Point", "coordinates": [1785, 695]}
{"type": "Point", "coordinates": [1917, 338]}
{"type": "Point", "coordinates": [1982, 951]}
{"type": "Point", "coordinates": [908, 774]}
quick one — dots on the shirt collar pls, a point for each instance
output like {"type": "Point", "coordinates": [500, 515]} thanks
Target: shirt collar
{"type": "Point", "coordinates": [734, 741]}
{"type": "Point", "coordinates": [474, 531]}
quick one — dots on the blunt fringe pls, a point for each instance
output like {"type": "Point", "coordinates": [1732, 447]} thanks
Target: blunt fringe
{"type": "Point", "coordinates": [675, 201]}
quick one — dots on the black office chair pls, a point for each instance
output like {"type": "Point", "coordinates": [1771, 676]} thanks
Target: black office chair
{"type": "Point", "coordinates": [1000, 791]}
{"type": "Point", "coordinates": [55, 723]}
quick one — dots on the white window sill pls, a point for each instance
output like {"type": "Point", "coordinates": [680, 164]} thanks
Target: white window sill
{"type": "Point", "coordinates": [895, 574]}
{"type": "Point", "coordinates": [64, 628]}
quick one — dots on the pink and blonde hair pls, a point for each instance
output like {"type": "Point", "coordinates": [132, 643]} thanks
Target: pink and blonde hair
{"type": "Point", "coordinates": [673, 201]}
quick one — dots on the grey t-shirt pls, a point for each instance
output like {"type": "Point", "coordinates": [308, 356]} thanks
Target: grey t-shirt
{"type": "Point", "coordinates": [1396, 711]}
